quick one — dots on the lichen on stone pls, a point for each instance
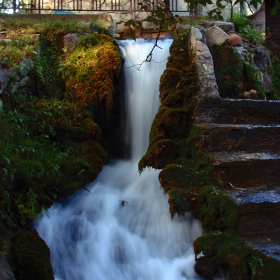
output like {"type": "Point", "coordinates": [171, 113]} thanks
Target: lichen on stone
{"type": "Point", "coordinates": [235, 75]}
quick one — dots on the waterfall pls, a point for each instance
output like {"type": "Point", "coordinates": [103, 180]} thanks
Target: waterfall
{"type": "Point", "coordinates": [122, 229]}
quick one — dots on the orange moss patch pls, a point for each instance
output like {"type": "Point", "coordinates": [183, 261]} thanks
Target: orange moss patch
{"type": "Point", "coordinates": [89, 71]}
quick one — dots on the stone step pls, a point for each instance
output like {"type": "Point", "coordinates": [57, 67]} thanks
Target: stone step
{"type": "Point", "coordinates": [239, 137]}
{"type": "Point", "coordinates": [238, 111]}
{"type": "Point", "coordinates": [243, 170]}
{"type": "Point", "coordinates": [259, 220]}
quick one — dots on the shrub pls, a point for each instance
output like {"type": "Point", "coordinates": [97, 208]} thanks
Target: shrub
{"type": "Point", "coordinates": [240, 21]}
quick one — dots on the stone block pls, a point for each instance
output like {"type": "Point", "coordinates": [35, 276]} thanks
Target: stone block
{"type": "Point", "coordinates": [200, 47]}
{"type": "Point", "coordinates": [215, 36]}
{"type": "Point", "coordinates": [71, 40]}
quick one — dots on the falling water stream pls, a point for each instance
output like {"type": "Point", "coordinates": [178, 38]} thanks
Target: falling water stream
{"type": "Point", "coordinates": [122, 229]}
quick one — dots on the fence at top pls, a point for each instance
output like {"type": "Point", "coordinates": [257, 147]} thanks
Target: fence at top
{"type": "Point", "coordinates": [86, 6]}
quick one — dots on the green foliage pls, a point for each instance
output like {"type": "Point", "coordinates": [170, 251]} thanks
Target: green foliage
{"type": "Point", "coordinates": [13, 52]}
{"type": "Point", "coordinates": [240, 21]}
{"type": "Point", "coordinates": [253, 35]}
{"type": "Point", "coordinates": [255, 263]}
{"type": "Point", "coordinates": [27, 206]}
{"type": "Point", "coordinates": [247, 32]}
{"type": "Point", "coordinates": [22, 27]}
{"type": "Point", "coordinates": [228, 69]}
{"type": "Point", "coordinates": [49, 144]}
{"type": "Point", "coordinates": [275, 78]}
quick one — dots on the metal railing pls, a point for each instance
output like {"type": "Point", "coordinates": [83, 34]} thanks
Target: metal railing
{"type": "Point", "coordinates": [80, 6]}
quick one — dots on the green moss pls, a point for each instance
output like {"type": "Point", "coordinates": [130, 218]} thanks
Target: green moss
{"type": "Point", "coordinates": [186, 176]}
{"type": "Point", "coordinates": [160, 154]}
{"type": "Point", "coordinates": [228, 70]}
{"type": "Point", "coordinates": [216, 210]}
{"type": "Point", "coordinates": [177, 182]}
{"type": "Point", "coordinates": [165, 123]}
{"type": "Point", "coordinates": [233, 75]}
{"type": "Point", "coordinates": [253, 79]}
{"type": "Point", "coordinates": [275, 78]}
{"type": "Point", "coordinates": [30, 257]}
{"type": "Point", "coordinates": [222, 249]}
{"type": "Point", "coordinates": [227, 250]}
{"type": "Point", "coordinates": [89, 71]}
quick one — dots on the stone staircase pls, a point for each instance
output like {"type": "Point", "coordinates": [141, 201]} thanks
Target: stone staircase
{"type": "Point", "coordinates": [242, 139]}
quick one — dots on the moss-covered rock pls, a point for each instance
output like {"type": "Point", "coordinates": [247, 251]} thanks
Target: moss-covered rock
{"type": "Point", "coordinates": [29, 257]}
{"type": "Point", "coordinates": [216, 248]}
{"type": "Point", "coordinates": [275, 78]}
{"type": "Point", "coordinates": [89, 71]}
{"type": "Point", "coordinates": [235, 75]}
{"type": "Point", "coordinates": [216, 210]}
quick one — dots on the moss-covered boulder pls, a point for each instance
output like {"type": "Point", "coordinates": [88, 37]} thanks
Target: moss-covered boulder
{"type": "Point", "coordinates": [89, 71]}
{"type": "Point", "coordinates": [235, 74]}
{"type": "Point", "coordinates": [29, 257]}
{"type": "Point", "coordinates": [216, 248]}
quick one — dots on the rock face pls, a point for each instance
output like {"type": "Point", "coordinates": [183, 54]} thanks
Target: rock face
{"type": "Point", "coordinates": [5, 271]}
{"type": "Point", "coordinates": [31, 256]}
{"type": "Point", "coordinates": [203, 57]}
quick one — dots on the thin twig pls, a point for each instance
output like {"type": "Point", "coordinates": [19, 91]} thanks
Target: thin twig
{"type": "Point", "coordinates": [86, 189]}
{"type": "Point", "coordinates": [249, 6]}
{"type": "Point", "coordinates": [236, 188]}
{"type": "Point", "coordinates": [138, 66]}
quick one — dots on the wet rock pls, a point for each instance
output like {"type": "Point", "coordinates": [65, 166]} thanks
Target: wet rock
{"type": "Point", "coordinates": [204, 268]}
{"type": "Point", "coordinates": [30, 257]}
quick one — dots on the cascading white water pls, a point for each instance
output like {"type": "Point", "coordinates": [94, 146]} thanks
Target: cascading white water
{"type": "Point", "coordinates": [122, 229]}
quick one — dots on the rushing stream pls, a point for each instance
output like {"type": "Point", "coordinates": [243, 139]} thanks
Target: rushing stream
{"type": "Point", "coordinates": [121, 229]}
